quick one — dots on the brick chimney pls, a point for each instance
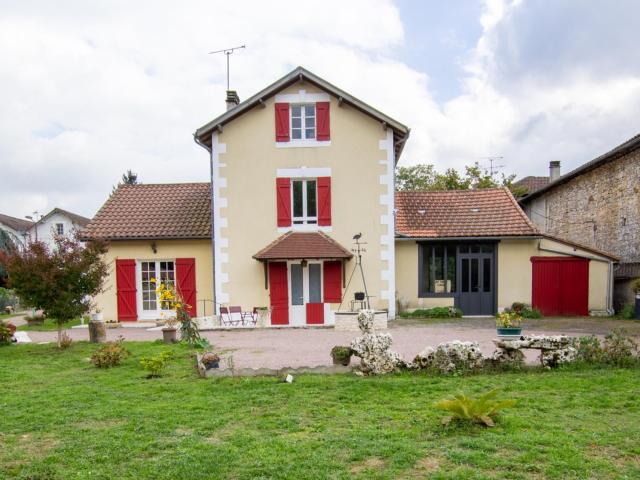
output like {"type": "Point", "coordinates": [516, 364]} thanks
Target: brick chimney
{"type": "Point", "coordinates": [232, 99]}
{"type": "Point", "coordinates": [554, 170]}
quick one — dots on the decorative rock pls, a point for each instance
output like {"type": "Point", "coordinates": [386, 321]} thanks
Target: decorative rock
{"type": "Point", "coordinates": [451, 356]}
{"type": "Point", "coordinates": [510, 357]}
{"type": "Point", "coordinates": [554, 349]}
{"type": "Point", "coordinates": [373, 348]}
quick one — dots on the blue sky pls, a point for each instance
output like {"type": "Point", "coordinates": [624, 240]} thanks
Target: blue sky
{"type": "Point", "coordinates": [91, 89]}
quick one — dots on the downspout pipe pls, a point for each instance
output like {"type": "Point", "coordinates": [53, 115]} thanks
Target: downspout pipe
{"type": "Point", "coordinates": [609, 299]}
{"type": "Point", "coordinates": [213, 241]}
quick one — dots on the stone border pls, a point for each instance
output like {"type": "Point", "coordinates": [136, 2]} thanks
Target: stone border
{"type": "Point", "coordinates": [267, 372]}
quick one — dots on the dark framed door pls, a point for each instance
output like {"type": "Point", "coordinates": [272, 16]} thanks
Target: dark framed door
{"type": "Point", "coordinates": [476, 279]}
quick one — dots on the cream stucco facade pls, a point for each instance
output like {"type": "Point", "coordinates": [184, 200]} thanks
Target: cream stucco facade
{"type": "Point", "coordinates": [246, 159]}
{"type": "Point", "coordinates": [169, 250]}
{"type": "Point", "coordinates": [514, 273]}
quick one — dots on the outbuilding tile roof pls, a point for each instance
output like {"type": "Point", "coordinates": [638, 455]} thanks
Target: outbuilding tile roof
{"type": "Point", "coordinates": [299, 245]}
{"type": "Point", "coordinates": [17, 224]}
{"type": "Point", "coordinates": [532, 184]}
{"type": "Point", "coordinates": [491, 212]}
{"type": "Point", "coordinates": [154, 211]}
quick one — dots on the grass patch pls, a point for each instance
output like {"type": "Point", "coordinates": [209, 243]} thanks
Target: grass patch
{"type": "Point", "coordinates": [48, 325]}
{"type": "Point", "coordinates": [7, 315]}
{"type": "Point", "coordinates": [63, 418]}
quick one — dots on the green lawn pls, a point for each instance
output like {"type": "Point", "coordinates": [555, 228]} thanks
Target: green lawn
{"type": "Point", "coordinates": [48, 325]}
{"type": "Point", "coordinates": [60, 417]}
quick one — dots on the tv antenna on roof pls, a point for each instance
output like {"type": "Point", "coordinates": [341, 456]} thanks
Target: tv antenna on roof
{"type": "Point", "coordinates": [494, 168]}
{"type": "Point", "coordinates": [228, 52]}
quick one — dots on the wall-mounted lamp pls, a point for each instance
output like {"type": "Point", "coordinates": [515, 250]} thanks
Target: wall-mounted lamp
{"type": "Point", "coordinates": [303, 264]}
{"type": "Point", "coordinates": [154, 247]}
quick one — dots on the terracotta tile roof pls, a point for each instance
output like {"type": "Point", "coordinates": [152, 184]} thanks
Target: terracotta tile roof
{"type": "Point", "coordinates": [149, 211]}
{"type": "Point", "coordinates": [532, 184]}
{"type": "Point", "coordinates": [17, 224]}
{"type": "Point", "coordinates": [298, 245]}
{"type": "Point", "coordinates": [491, 212]}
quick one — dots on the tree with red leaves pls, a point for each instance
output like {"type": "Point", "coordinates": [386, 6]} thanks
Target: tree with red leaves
{"type": "Point", "coordinates": [61, 281]}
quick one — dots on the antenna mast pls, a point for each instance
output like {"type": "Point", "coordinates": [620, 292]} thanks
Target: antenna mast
{"type": "Point", "coordinates": [228, 52]}
{"type": "Point", "coordinates": [494, 168]}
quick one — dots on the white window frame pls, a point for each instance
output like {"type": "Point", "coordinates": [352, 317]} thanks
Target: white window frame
{"type": "Point", "coordinates": [303, 122]}
{"type": "Point", "coordinates": [59, 226]}
{"type": "Point", "coordinates": [152, 314]}
{"type": "Point", "coordinates": [305, 219]}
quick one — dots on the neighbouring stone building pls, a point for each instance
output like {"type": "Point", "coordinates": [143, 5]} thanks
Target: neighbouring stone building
{"type": "Point", "coordinates": [597, 204]}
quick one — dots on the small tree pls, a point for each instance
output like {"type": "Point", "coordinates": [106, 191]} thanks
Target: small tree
{"type": "Point", "coordinates": [7, 247]}
{"type": "Point", "coordinates": [128, 178]}
{"type": "Point", "coordinates": [61, 281]}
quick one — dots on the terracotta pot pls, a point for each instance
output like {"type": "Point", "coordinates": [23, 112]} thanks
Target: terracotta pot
{"type": "Point", "coordinates": [342, 361]}
{"type": "Point", "coordinates": [170, 335]}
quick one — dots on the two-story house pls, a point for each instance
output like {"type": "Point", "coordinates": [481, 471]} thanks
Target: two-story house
{"type": "Point", "coordinates": [299, 172]}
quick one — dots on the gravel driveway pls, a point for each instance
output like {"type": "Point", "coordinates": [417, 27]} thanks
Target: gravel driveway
{"type": "Point", "coordinates": [294, 347]}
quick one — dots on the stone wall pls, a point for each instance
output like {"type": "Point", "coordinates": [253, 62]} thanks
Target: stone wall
{"type": "Point", "coordinates": [600, 208]}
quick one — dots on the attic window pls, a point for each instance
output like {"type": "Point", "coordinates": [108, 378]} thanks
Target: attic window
{"type": "Point", "coordinates": [303, 122]}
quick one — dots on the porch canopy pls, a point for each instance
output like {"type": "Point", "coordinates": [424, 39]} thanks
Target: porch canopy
{"type": "Point", "coordinates": [303, 245]}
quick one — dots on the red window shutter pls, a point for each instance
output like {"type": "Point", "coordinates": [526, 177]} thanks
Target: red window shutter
{"type": "Point", "coordinates": [322, 114]}
{"type": "Point", "coordinates": [283, 198]}
{"type": "Point", "coordinates": [332, 281]}
{"type": "Point", "coordinates": [324, 201]}
{"type": "Point", "coordinates": [186, 282]}
{"type": "Point", "coordinates": [126, 289]}
{"type": "Point", "coordinates": [282, 122]}
{"type": "Point", "coordinates": [279, 293]}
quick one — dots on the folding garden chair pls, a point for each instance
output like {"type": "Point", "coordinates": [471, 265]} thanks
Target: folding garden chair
{"type": "Point", "coordinates": [227, 319]}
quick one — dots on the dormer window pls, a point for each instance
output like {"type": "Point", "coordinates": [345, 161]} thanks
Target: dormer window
{"type": "Point", "coordinates": [303, 122]}
{"type": "Point", "coordinates": [304, 202]}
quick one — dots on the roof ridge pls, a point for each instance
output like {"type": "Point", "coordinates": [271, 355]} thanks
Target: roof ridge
{"type": "Point", "coordinates": [519, 209]}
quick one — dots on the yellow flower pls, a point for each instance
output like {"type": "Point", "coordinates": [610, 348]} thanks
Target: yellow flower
{"type": "Point", "coordinates": [153, 280]}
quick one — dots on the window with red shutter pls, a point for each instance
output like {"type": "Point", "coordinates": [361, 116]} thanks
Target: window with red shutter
{"type": "Point", "coordinates": [332, 281]}
{"type": "Point", "coordinates": [283, 199]}
{"type": "Point", "coordinates": [282, 122]}
{"type": "Point", "coordinates": [322, 115]}
{"type": "Point", "coordinates": [324, 201]}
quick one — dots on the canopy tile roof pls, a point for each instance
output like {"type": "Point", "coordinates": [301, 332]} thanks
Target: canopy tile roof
{"type": "Point", "coordinates": [532, 184]}
{"type": "Point", "coordinates": [303, 245]}
{"type": "Point", "coordinates": [484, 213]}
{"type": "Point", "coordinates": [154, 211]}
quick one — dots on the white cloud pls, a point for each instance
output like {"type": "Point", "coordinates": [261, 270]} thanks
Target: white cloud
{"type": "Point", "coordinates": [89, 90]}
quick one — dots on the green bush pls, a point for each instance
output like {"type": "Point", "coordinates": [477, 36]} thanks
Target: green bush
{"type": "Point", "coordinates": [436, 312]}
{"type": "Point", "coordinates": [628, 312]}
{"type": "Point", "coordinates": [110, 354]}
{"type": "Point", "coordinates": [155, 365]}
{"type": "Point", "coordinates": [618, 349]}
{"type": "Point", "coordinates": [531, 313]}
{"type": "Point", "coordinates": [467, 409]}
{"type": "Point", "coordinates": [340, 352]}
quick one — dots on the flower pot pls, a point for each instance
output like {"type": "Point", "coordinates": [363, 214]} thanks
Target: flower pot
{"type": "Point", "coordinates": [35, 321]}
{"type": "Point", "coordinates": [170, 335]}
{"type": "Point", "coordinates": [210, 365]}
{"type": "Point", "coordinates": [509, 331]}
{"type": "Point", "coordinates": [342, 361]}
{"type": "Point", "coordinates": [97, 317]}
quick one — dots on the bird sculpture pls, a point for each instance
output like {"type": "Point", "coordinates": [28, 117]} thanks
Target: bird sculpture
{"type": "Point", "coordinates": [357, 236]}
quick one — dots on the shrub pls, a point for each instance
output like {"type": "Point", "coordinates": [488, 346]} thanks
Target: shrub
{"type": "Point", "coordinates": [436, 312]}
{"type": "Point", "coordinates": [110, 354]}
{"type": "Point", "coordinates": [628, 312]}
{"type": "Point", "coordinates": [341, 353]}
{"type": "Point", "coordinates": [65, 341]}
{"type": "Point", "coordinates": [620, 349]}
{"type": "Point", "coordinates": [635, 285]}
{"type": "Point", "coordinates": [531, 313]}
{"type": "Point", "coordinates": [589, 350]}
{"type": "Point", "coordinates": [6, 332]}
{"type": "Point", "coordinates": [523, 310]}
{"type": "Point", "coordinates": [155, 365]}
{"type": "Point", "coordinates": [467, 409]}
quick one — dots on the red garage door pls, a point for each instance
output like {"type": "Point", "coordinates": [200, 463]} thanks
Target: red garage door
{"type": "Point", "coordinates": [561, 285]}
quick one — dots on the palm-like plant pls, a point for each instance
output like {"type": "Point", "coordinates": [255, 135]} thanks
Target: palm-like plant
{"type": "Point", "coordinates": [480, 410]}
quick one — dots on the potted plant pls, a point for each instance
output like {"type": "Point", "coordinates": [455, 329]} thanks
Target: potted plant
{"type": "Point", "coordinates": [97, 316]}
{"type": "Point", "coordinates": [36, 317]}
{"type": "Point", "coordinates": [509, 324]}
{"type": "Point", "coordinates": [635, 286]}
{"type": "Point", "coordinates": [341, 355]}
{"type": "Point", "coordinates": [170, 330]}
{"type": "Point", "coordinates": [264, 316]}
{"type": "Point", "coordinates": [210, 360]}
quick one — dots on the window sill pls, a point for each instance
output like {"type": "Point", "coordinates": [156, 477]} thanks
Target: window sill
{"type": "Point", "coordinates": [304, 228]}
{"type": "Point", "coordinates": [303, 144]}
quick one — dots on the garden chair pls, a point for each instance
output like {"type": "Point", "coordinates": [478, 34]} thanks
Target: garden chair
{"type": "Point", "coordinates": [227, 319]}
{"type": "Point", "coordinates": [237, 315]}
{"type": "Point", "coordinates": [250, 319]}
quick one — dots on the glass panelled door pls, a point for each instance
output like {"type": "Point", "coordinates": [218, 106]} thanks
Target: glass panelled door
{"type": "Point", "coordinates": [476, 282]}
{"type": "Point", "coordinates": [305, 287]}
{"type": "Point", "coordinates": [162, 271]}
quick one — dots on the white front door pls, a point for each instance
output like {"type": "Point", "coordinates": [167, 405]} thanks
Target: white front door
{"type": "Point", "coordinates": [305, 286]}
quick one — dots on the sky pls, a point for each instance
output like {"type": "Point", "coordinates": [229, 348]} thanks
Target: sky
{"type": "Point", "coordinates": [91, 89]}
